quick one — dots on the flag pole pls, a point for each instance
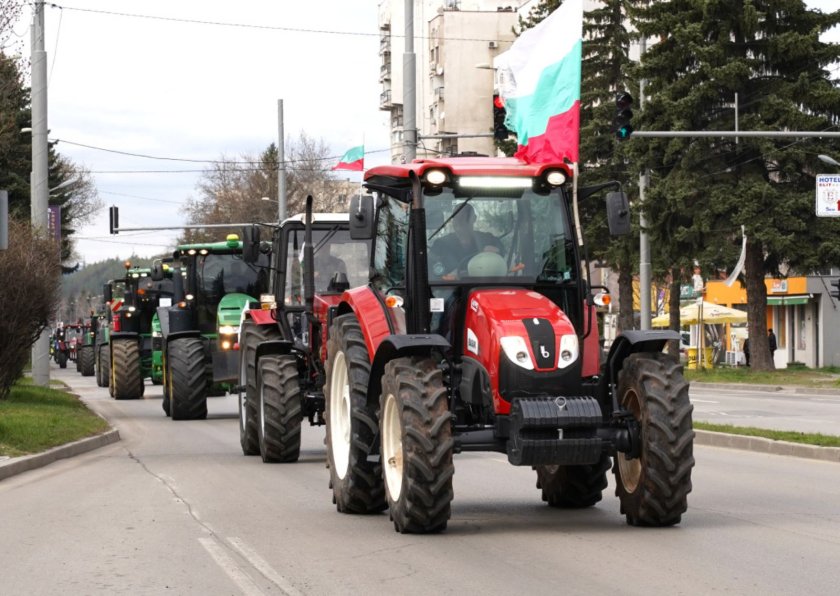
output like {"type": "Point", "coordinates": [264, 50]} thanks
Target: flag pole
{"type": "Point", "coordinates": [576, 214]}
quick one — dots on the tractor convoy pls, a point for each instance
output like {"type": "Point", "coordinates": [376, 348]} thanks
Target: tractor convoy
{"type": "Point", "coordinates": [449, 310]}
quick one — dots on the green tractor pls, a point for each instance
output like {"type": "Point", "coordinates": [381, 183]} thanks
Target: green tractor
{"type": "Point", "coordinates": [86, 350]}
{"type": "Point", "coordinates": [131, 337]}
{"type": "Point", "coordinates": [200, 330]}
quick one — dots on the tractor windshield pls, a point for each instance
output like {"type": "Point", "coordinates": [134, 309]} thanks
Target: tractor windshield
{"type": "Point", "coordinates": [498, 236]}
{"type": "Point", "coordinates": [220, 274]}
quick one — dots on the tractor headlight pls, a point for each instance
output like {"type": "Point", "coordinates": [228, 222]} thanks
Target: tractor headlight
{"type": "Point", "coordinates": [228, 330]}
{"type": "Point", "coordinates": [569, 350]}
{"type": "Point", "coordinates": [516, 350]}
{"type": "Point", "coordinates": [157, 334]}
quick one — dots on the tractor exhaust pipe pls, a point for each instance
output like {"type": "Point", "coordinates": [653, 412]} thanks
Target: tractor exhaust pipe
{"type": "Point", "coordinates": [309, 260]}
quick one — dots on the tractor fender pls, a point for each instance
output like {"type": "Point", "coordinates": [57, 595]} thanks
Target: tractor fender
{"type": "Point", "coordinates": [272, 347]}
{"type": "Point", "coordinates": [125, 335]}
{"type": "Point", "coordinates": [631, 342]}
{"type": "Point", "coordinates": [183, 334]}
{"type": "Point", "coordinates": [397, 346]}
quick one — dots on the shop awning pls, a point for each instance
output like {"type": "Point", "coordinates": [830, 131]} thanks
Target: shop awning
{"type": "Point", "coordinates": [787, 300]}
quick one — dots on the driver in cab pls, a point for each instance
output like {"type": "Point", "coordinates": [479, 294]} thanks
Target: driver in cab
{"type": "Point", "coordinates": [451, 253]}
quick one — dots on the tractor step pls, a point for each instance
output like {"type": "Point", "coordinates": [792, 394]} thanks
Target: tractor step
{"type": "Point", "coordinates": [555, 431]}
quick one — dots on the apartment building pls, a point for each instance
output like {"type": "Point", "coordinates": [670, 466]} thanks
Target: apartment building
{"type": "Point", "coordinates": [454, 43]}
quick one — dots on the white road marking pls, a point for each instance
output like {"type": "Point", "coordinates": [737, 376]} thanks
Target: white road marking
{"type": "Point", "coordinates": [263, 567]}
{"type": "Point", "coordinates": [228, 565]}
{"type": "Point", "coordinates": [703, 401]}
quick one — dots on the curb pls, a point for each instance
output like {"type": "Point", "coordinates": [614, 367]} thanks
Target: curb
{"type": "Point", "coordinates": [769, 446]}
{"type": "Point", "coordinates": [17, 465]}
{"type": "Point", "coordinates": [767, 388]}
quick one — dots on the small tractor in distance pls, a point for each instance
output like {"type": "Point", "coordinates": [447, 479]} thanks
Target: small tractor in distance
{"type": "Point", "coordinates": [132, 323]}
{"type": "Point", "coordinates": [282, 339]}
{"type": "Point", "coordinates": [477, 331]}
{"type": "Point", "coordinates": [86, 354]}
{"type": "Point", "coordinates": [213, 283]}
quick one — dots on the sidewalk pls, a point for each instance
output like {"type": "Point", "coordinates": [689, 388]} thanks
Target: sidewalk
{"type": "Point", "coordinates": [766, 387]}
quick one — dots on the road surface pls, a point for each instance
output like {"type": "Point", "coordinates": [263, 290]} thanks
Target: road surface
{"type": "Point", "coordinates": [175, 508]}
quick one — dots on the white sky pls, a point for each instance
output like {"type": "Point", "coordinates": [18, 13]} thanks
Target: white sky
{"type": "Point", "coordinates": [198, 91]}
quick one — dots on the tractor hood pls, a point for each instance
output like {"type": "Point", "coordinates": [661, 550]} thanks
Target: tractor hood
{"type": "Point", "coordinates": [520, 337]}
{"type": "Point", "coordinates": [230, 309]}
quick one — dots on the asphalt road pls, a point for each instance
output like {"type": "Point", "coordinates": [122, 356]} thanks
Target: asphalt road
{"type": "Point", "coordinates": [175, 508]}
{"type": "Point", "coordinates": [776, 410]}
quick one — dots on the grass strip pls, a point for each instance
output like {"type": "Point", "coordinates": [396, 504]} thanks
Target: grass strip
{"type": "Point", "coordinates": [817, 439]}
{"type": "Point", "coordinates": [34, 419]}
{"type": "Point", "coordinates": [808, 377]}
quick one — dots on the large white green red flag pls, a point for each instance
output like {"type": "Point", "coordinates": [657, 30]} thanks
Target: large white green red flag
{"type": "Point", "coordinates": [539, 81]}
{"type": "Point", "coordinates": [354, 160]}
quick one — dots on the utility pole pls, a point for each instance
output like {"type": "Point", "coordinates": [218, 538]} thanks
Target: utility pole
{"type": "Point", "coordinates": [644, 241]}
{"type": "Point", "coordinates": [409, 87]}
{"type": "Point", "coordinates": [281, 168]}
{"type": "Point", "coordinates": [39, 184]}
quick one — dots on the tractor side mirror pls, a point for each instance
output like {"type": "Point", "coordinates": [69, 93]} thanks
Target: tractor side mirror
{"type": "Point", "coordinates": [618, 213]}
{"type": "Point", "coordinates": [361, 217]}
{"type": "Point", "coordinates": [157, 270]}
{"type": "Point", "coordinates": [107, 294]}
{"type": "Point", "coordinates": [250, 244]}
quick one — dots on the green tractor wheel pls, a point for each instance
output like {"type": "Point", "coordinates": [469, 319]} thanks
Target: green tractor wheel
{"type": "Point", "coordinates": [126, 375]}
{"type": "Point", "coordinates": [188, 367]}
{"type": "Point", "coordinates": [86, 361]}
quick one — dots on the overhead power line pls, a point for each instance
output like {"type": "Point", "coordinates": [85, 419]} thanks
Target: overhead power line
{"type": "Point", "coordinates": [255, 26]}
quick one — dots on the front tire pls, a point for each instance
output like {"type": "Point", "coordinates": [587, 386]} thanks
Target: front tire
{"type": "Point", "coordinates": [103, 378]}
{"type": "Point", "coordinates": [352, 424]}
{"type": "Point", "coordinates": [653, 488]}
{"type": "Point", "coordinates": [252, 336]}
{"type": "Point", "coordinates": [417, 445]}
{"type": "Point", "coordinates": [279, 412]}
{"type": "Point", "coordinates": [190, 383]}
{"type": "Point", "coordinates": [61, 358]}
{"type": "Point", "coordinates": [573, 487]}
{"type": "Point", "coordinates": [87, 359]}
{"type": "Point", "coordinates": [126, 376]}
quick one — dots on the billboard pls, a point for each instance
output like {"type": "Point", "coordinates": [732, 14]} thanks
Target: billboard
{"type": "Point", "coordinates": [828, 195]}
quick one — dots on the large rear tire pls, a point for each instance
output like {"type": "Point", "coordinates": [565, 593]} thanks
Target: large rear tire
{"type": "Point", "coordinates": [417, 445]}
{"type": "Point", "coordinates": [279, 412]}
{"type": "Point", "coordinates": [573, 487]}
{"type": "Point", "coordinates": [352, 423]}
{"type": "Point", "coordinates": [87, 359]}
{"type": "Point", "coordinates": [126, 374]}
{"type": "Point", "coordinates": [252, 335]}
{"type": "Point", "coordinates": [167, 385]}
{"type": "Point", "coordinates": [61, 358]}
{"type": "Point", "coordinates": [653, 488]}
{"type": "Point", "coordinates": [188, 367]}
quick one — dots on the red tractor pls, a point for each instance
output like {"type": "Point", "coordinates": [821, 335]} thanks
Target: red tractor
{"type": "Point", "coordinates": [282, 340]}
{"type": "Point", "coordinates": [477, 331]}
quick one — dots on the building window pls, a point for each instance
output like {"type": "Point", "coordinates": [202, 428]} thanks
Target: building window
{"type": "Point", "coordinates": [781, 326]}
{"type": "Point", "coordinates": [802, 329]}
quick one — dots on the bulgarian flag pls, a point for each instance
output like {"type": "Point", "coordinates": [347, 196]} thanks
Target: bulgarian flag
{"type": "Point", "coordinates": [539, 81]}
{"type": "Point", "coordinates": [354, 160]}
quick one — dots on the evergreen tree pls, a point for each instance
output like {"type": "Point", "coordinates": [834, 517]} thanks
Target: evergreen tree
{"type": "Point", "coordinates": [704, 189]}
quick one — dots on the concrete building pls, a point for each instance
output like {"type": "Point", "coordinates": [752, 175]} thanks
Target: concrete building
{"type": "Point", "coordinates": [455, 43]}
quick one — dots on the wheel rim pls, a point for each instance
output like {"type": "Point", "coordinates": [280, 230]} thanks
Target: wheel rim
{"type": "Point", "coordinates": [630, 470]}
{"type": "Point", "coordinates": [243, 379]}
{"type": "Point", "coordinates": [339, 419]}
{"type": "Point", "coordinates": [392, 451]}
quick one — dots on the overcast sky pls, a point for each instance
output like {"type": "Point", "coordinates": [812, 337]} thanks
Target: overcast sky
{"type": "Point", "coordinates": [170, 88]}
{"type": "Point", "coordinates": [196, 91]}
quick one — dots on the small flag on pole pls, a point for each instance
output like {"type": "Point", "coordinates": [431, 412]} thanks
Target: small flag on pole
{"type": "Point", "coordinates": [539, 81]}
{"type": "Point", "coordinates": [354, 160]}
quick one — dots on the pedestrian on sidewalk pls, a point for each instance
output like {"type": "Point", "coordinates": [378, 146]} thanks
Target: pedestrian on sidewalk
{"type": "Point", "coordinates": [771, 340]}
{"type": "Point", "coordinates": [747, 350]}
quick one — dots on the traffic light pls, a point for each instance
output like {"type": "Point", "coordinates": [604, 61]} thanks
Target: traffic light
{"type": "Point", "coordinates": [623, 115]}
{"type": "Point", "coordinates": [835, 293]}
{"type": "Point", "coordinates": [500, 131]}
{"type": "Point", "coordinates": [114, 219]}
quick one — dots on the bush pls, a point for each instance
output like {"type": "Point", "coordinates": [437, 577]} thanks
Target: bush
{"type": "Point", "coordinates": [29, 293]}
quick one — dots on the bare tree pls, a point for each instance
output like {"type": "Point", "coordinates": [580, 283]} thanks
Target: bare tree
{"type": "Point", "coordinates": [232, 189]}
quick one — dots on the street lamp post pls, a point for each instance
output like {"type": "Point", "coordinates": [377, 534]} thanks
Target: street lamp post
{"type": "Point", "coordinates": [829, 160]}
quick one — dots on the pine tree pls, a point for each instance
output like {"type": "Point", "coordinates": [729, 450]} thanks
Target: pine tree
{"type": "Point", "coordinates": [704, 189]}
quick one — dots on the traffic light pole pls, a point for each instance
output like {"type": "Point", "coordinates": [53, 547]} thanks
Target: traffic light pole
{"type": "Point", "coordinates": [409, 87]}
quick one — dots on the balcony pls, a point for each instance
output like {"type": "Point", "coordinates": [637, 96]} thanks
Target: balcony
{"type": "Point", "coordinates": [385, 72]}
{"type": "Point", "coordinates": [385, 100]}
{"type": "Point", "coordinates": [385, 43]}
{"type": "Point", "coordinates": [439, 94]}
